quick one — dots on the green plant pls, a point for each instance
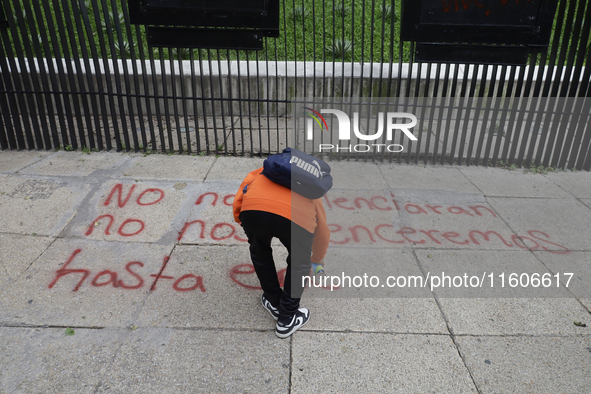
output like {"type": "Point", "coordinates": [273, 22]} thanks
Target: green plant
{"type": "Point", "coordinates": [120, 18]}
{"type": "Point", "coordinates": [183, 53]}
{"type": "Point", "coordinates": [341, 10]}
{"type": "Point", "coordinates": [496, 130]}
{"type": "Point", "coordinates": [339, 49]}
{"type": "Point", "coordinates": [386, 11]}
{"type": "Point", "coordinates": [506, 166]}
{"type": "Point", "coordinates": [123, 48]}
{"type": "Point", "coordinates": [68, 148]}
{"type": "Point", "coordinates": [299, 13]}
{"type": "Point", "coordinates": [86, 150]}
{"type": "Point", "coordinates": [541, 169]}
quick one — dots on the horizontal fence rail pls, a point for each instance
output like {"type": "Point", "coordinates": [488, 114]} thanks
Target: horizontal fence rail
{"type": "Point", "coordinates": [77, 75]}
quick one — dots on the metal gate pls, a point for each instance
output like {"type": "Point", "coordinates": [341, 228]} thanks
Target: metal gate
{"type": "Point", "coordinates": [76, 75]}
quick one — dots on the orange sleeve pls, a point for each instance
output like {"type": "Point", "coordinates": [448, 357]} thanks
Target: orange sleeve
{"type": "Point", "coordinates": [237, 205]}
{"type": "Point", "coordinates": [321, 234]}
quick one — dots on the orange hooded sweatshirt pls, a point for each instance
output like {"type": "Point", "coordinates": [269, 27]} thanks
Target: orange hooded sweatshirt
{"type": "Point", "coordinates": [263, 194]}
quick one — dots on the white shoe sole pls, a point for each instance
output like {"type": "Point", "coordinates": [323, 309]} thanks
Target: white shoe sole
{"type": "Point", "coordinates": [290, 333]}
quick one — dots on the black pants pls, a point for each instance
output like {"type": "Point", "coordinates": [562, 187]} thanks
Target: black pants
{"type": "Point", "coordinates": [260, 228]}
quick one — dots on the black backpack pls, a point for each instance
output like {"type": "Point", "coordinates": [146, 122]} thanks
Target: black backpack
{"type": "Point", "coordinates": [300, 172]}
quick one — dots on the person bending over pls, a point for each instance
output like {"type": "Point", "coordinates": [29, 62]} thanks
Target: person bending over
{"type": "Point", "coordinates": [265, 210]}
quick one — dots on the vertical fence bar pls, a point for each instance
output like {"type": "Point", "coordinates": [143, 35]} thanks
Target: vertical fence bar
{"type": "Point", "coordinates": [523, 134]}
{"type": "Point", "coordinates": [194, 99]}
{"type": "Point", "coordinates": [504, 112]}
{"type": "Point", "coordinates": [92, 91]}
{"type": "Point", "coordinates": [6, 130]}
{"type": "Point", "coordinates": [487, 131]}
{"type": "Point", "coordinates": [44, 96]}
{"type": "Point", "coordinates": [469, 112]}
{"type": "Point", "coordinates": [118, 87]}
{"type": "Point", "coordinates": [362, 65]}
{"type": "Point", "coordinates": [390, 66]}
{"type": "Point", "coordinates": [121, 45]}
{"type": "Point", "coordinates": [205, 127]}
{"type": "Point", "coordinates": [67, 75]}
{"type": "Point", "coordinates": [165, 128]}
{"type": "Point", "coordinates": [219, 63]}
{"type": "Point", "coordinates": [231, 103]}
{"type": "Point", "coordinates": [146, 91]}
{"type": "Point", "coordinates": [286, 75]}
{"type": "Point", "coordinates": [429, 101]}
{"type": "Point", "coordinates": [447, 104]}
{"type": "Point", "coordinates": [164, 74]}
{"type": "Point", "coordinates": [276, 94]}
{"type": "Point", "coordinates": [19, 109]}
{"type": "Point", "coordinates": [155, 85]}
{"type": "Point", "coordinates": [511, 124]}
{"type": "Point", "coordinates": [74, 93]}
{"type": "Point", "coordinates": [313, 59]}
{"type": "Point", "coordinates": [102, 98]}
{"type": "Point", "coordinates": [79, 90]}
{"type": "Point", "coordinates": [268, 99]}
{"type": "Point", "coordinates": [541, 104]}
{"type": "Point", "coordinates": [258, 105]}
{"type": "Point", "coordinates": [108, 82]}
{"type": "Point", "coordinates": [239, 98]}
{"type": "Point", "coordinates": [180, 60]}
{"type": "Point", "coordinates": [175, 107]}
{"type": "Point", "coordinates": [39, 123]}
{"type": "Point", "coordinates": [495, 128]}
{"type": "Point", "coordinates": [422, 115]}
{"type": "Point", "coordinates": [248, 88]}
{"type": "Point", "coordinates": [53, 87]}
{"type": "Point", "coordinates": [137, 92]}
{"type": "Point", "coordinates": [371, 77]}
{"type": "Point", "coordinates": [304, 91]}
{"type": "Point", "coordinates": [484, 130]}
{"type": "Point", "coordinates": [213, 111]}
{"type": "Point", "coordinates": [475, 121]}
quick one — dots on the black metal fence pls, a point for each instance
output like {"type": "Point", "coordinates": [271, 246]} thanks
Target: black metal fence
{"type": "Point", "coordinates": [77, 75]}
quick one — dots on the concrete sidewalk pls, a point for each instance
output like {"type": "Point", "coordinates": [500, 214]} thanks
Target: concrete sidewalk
{"type": "Point", "coordinates": [123, 273]}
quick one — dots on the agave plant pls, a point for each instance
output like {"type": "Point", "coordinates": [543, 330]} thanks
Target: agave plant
{"type": "Point", "coordinates": [182, 53]}
{"type": "Point", "coordinates": [340, 49]}
{"type": "Point", "coordinates": [299, 13]}
{"type": "Point", "coordinates": [387, 12]}
{"type": "Point", "coordinates": [341, 9]}
{"type": "Point", "coordinates": [120, 17]}
{"type": "Point", "coordinates": [123, 48]}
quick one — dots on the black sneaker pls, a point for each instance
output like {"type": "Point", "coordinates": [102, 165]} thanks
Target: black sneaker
{"type": "Point", "coordinates": [298, 320]}
{"type": "Point", "coordinates": [270, 308]}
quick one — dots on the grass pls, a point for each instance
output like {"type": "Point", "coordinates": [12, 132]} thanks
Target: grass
{"type": "Point", "coordinates": [311, 30]}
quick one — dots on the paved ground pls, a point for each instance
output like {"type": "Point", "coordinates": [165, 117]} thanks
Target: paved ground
{"type": "Point", "coordinates": [122, 273]}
